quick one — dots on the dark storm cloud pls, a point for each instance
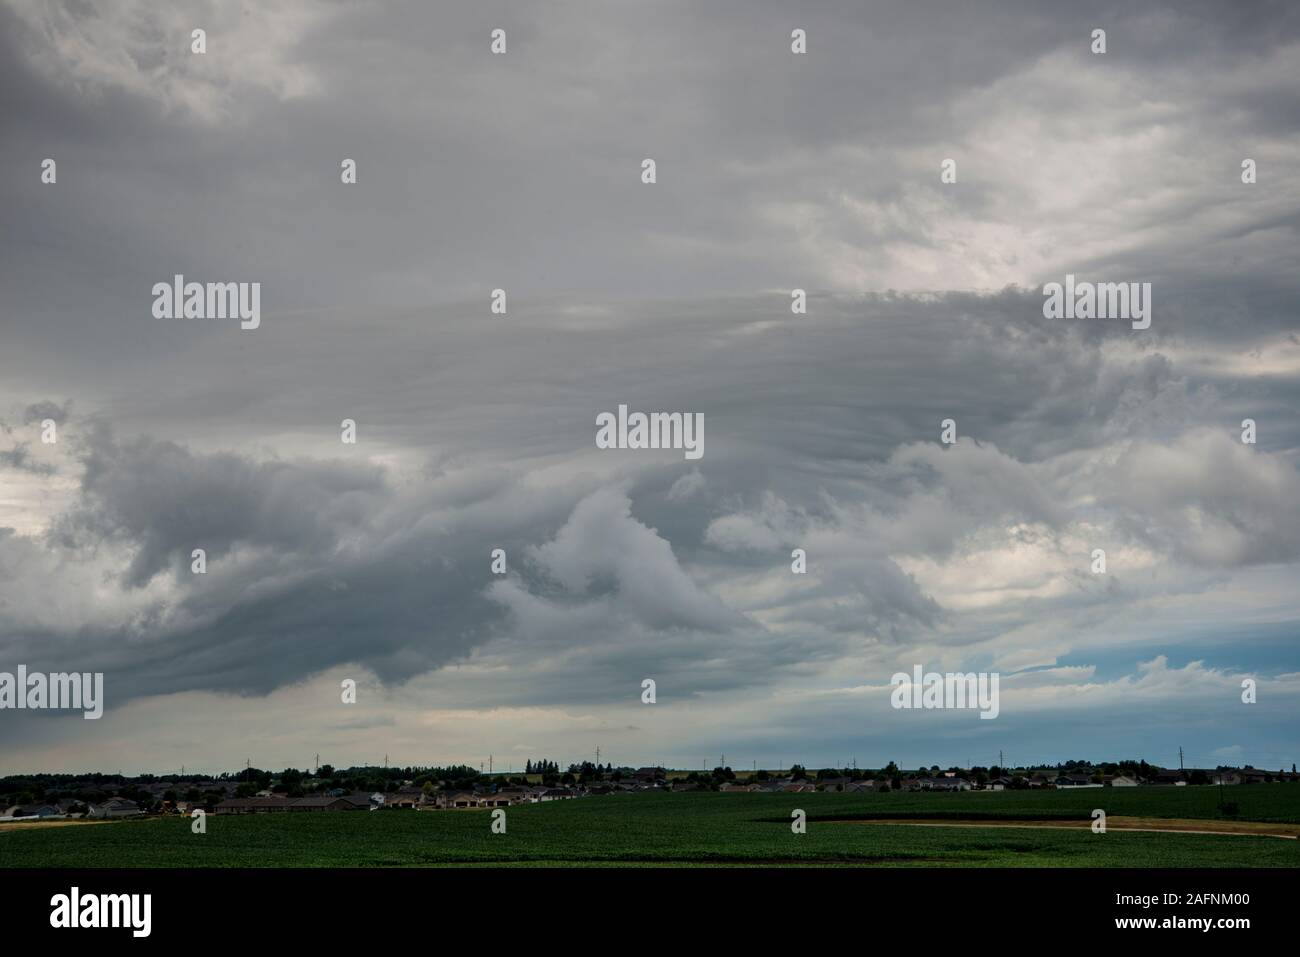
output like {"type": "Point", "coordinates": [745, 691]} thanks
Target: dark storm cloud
{"type": "Point", "coordinates": [165, 500]}
{"type": "Point", "coordinates": [319, 562]}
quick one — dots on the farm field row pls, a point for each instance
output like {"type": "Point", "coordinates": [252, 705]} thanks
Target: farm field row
{"type": "Point", "coordinates": [702, 829]}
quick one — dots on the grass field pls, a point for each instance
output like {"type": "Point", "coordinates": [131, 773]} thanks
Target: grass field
{"type": "Point", "coordinates": [700, 829]}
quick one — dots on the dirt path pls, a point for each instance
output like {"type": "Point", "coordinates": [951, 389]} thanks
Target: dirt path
{"type": "Point", "coordinates": [1160, 824]}
{"type": "Point", "coordinates": [32, 825]}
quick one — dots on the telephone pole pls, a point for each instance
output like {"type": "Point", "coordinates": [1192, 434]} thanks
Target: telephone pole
{"type": "Point", "coordinates": [1180, 757]}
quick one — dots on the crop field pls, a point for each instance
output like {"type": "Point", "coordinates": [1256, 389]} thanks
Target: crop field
{"type": "Point", "coordinates": [1006, 829]}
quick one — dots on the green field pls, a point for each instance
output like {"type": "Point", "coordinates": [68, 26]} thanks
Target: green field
{"type": "Point", "coordinates": [694, 829]}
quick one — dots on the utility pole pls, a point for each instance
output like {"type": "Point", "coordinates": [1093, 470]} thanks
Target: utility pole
{"type": "Point", "coordinates": [489, 764]}
{"type": "Point", "coordinates": [1180, 757]}
{"type": "Point", "coordinates": [1001, 766]}
{"type": "Point", "coordinates": [598, 755]}
{"type": "Point", "coordinates": [318, 764]}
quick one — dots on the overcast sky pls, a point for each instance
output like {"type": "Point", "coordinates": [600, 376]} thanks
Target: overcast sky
{"type": "Point", "coordinates": [476, 431]}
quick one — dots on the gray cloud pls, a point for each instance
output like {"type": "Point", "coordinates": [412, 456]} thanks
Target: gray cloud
{"type": "Point", "coordinates": [476, 431]}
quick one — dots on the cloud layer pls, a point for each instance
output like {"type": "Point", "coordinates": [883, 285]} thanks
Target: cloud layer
{"type": "Point", "coordinates": [475, 432]}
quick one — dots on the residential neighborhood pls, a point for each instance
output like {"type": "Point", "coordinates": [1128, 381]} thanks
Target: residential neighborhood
{"type": "Point", "coordinates": [461, 788]}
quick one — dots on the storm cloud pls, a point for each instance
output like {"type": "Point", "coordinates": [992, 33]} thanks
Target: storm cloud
{"type": "Point", "coordinates": [476, 431]}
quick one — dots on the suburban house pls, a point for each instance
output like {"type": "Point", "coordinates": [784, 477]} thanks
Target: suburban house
{"type": "Point", "coordinates": [458, 799]}
{"type": "Point", "coordinates": [270, 805]}
{"type": "Point", "coordinates": [521, 795]}
{"type": "Point", "coordinates": [114, 807]}
{"type": "Point", "coordinates": [558, 794]}
{"type": "Point", "coordinates": [407, 797]}
{"type": "Point", "coordinates": [1076, 781]}
{"type": "Point", "coordinates": [944, 784]}
{"type": "Point", "coordinates": [325, 804]}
